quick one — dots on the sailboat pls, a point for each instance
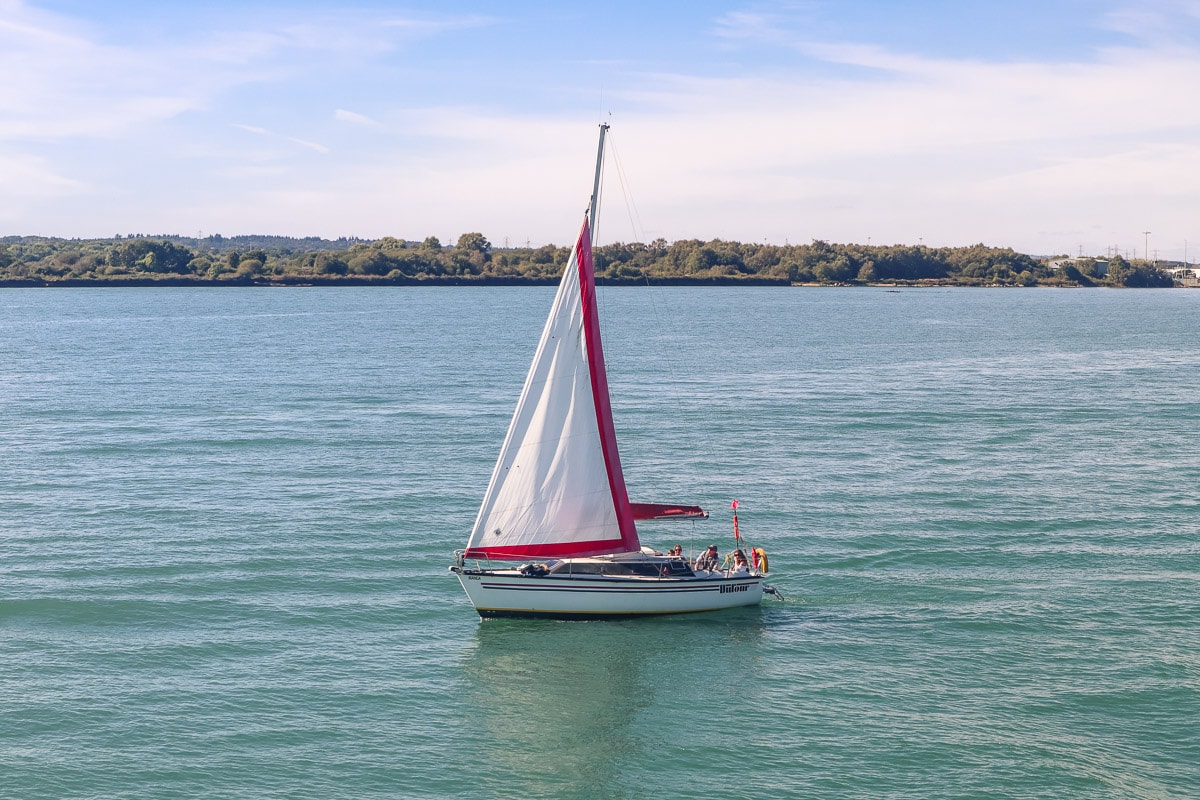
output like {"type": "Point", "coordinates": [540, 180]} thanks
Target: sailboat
{"type": "Point", "coordinates": [557, 504]}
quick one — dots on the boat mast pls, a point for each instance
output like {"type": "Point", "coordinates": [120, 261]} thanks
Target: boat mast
{"type": "Point", "coordinates": [596, 184]}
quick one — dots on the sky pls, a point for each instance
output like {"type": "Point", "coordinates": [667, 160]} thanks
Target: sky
{"type": "Point", "coordinates": [1056, 126]}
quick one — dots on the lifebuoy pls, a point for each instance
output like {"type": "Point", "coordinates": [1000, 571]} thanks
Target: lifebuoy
{"type": "Point", "coordinates": [760, 560]}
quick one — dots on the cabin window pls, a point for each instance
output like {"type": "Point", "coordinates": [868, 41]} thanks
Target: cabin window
{"type": "Point", "coordinates": [585, 568]}
{"type": "Point", "coordinates": [651, 569]}
{"type": "Point", "coordinates": [648, 570]}
{"type": "Point", "coordinates": [678, 567]}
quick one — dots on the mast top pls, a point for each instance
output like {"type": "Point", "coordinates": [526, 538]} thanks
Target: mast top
{"type": "Point", "coordinates": [592, 206]}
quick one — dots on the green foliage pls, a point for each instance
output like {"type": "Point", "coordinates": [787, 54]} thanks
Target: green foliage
{"type": "Point", "coordinates": [1073, 273]}
{"type": "Point", "coordinates": [474, 243]}
{"type": "Point", "coordinates": [145, 255]}
{"type": "Point", "coordinates": [1121, 272]}
{"type": "Point", "coordinates": [1118, 270]}
{"type": "Point", "coordinates": [1145, 276]}
{"type": "Point", "coordinates": [254, 259]}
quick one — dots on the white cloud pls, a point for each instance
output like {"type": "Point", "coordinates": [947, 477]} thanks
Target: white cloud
{"type": "Point", "coordinates": [256, 130]}
{"type": "Point", "coordinates": [358, 33]}
{"type": "Point", "coordinates": [917, 145]}
{"type": "Point", "coordinates": [342, 115]}
{"type": "Point", "coordinates": [1158, 23]}
{"type": "Point", "coordinates": [263, 132]}
{"type": "Point", "coordinates": [24, 177]}
{"type": "Point", "coordinates": [74, 83]}
{"type": "Point", "coordinates": [826, 139]}
{"type": "Point", "coordinates": [315, 146]}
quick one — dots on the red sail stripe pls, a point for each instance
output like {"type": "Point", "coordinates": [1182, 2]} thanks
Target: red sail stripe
{"type": "Point", "coordinates": [551, 550]}
{"type": "Point", "coordinates": [604, 420]}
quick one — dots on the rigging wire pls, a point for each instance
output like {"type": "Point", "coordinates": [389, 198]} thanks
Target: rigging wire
{"type": "Point", "coordinates": [639, 236]}
{"type": "Point", "coordinates": [635, 220]}
{"type": "Point", "coordinates": [704, 444]}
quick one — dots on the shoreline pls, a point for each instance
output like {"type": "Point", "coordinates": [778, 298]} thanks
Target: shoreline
{"type": "Point", "coordinates": [300, 281]}
{"type": "Point", "coordinates": [493, 281]}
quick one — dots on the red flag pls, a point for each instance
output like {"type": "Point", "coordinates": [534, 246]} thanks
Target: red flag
{"type": "Point", "coordinates": [734, 505]}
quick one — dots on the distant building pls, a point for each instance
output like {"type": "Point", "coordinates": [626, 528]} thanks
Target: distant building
{"type": "Point", "coordinates": [1099, 268]}
{"type": "Point", "coordinates": [1188, 276]}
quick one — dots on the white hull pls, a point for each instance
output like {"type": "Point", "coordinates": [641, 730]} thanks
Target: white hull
{"type": "Point", "coordinates": [507, 593]}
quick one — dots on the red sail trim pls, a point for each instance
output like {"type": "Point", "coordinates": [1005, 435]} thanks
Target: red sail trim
{"type": "Point", "coordinates": [522, 552]}
{"type": "Point", "coordinates": [663, 511]}
{"type": "Point", "coordinates": [599, 376]}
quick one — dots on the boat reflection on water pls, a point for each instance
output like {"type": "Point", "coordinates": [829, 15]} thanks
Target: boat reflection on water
{"type": "Point", "coordinates": [566, 705]}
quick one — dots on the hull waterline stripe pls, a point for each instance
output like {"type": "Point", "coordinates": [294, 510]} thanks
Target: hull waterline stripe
{"type": "Point", "coordinates": [573, 590]}
{"type": "Point", "coordinates": [728, 589]}
{"type": "Point", "coordinates": [518, 613]}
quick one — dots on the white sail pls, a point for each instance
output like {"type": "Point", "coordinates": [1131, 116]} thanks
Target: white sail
{"type": "Point", "coordinates": [557, 489]}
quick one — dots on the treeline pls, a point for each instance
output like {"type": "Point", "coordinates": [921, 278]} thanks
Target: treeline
{"type": "Point", "coordinates": [473, 259]}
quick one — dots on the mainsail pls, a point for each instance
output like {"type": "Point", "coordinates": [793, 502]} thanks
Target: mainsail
{"type": "Point", "coordinates": [558, 490]}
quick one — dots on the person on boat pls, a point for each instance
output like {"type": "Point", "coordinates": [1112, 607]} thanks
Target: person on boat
{"type": "Point", "coordinates": [740, 567]}
{"type": "Point", "coordinates": [676, 551]}
{"type": "Point", "coordinates": [709, 559]}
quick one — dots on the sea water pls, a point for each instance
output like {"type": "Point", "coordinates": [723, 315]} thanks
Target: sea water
{"type": "Point", "coordinates": [226, 517]}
